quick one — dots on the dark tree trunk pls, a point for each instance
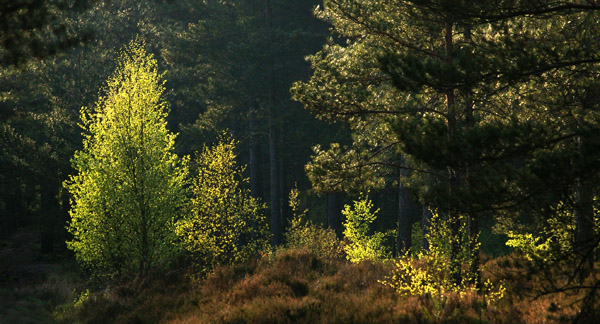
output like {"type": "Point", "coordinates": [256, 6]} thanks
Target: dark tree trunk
{"type": "Point", "coordinates": [404, 235]}
{"type": "Point", "coordinates": [253, 158]}
{"type": "Point", "coordinates": [334, 212]}
{"type": "Point", "coordinates": [253, 151]}
{"type": "Point", "coordinates": [473, 219]}
{"type": "Point", "coordinates": [49, 213]}
{"type": "Point", "coordinates": [425, 222]}
{"type": "Point", "coordinates": [453, 177]}
{"type": "Point", "coordinates": [14, 210]}
{"type": "Point", "coordinates": [283, 190]}
{"type": "Point", "coordinates": [276, 227]}
{"type": "Point", "coordinates": [584, 227]}
{"type": "Point", "coordinates": [407, 209]}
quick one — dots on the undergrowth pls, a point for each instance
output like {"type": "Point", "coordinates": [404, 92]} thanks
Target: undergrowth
{"type": "Point", "coordinates": [297, 286]}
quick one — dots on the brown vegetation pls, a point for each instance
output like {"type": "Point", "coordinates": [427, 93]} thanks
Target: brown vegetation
{"type": "Point", "coordinates": [295, 286]}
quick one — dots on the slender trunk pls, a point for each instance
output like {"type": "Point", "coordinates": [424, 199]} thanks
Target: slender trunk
{"type": "Point", "coordinates": [404, 213]}
{"type": "Point", "coordinates": [473, 219]}
{"type": "Point", "coordinates": [49, 213]}
{"type": "Point", "coordinates": [333, 212]}
{"type": "Point", "coordinates": [425, 222]}
{"type": "Point", "coordinates": [253, 158]}
{"type": "Point", "coordinates": [584, 230]}
{"type": "Point", "coordinates": [13, 211]}
{"type": "Point", "coordinates": [283, 191]}
{"type": "Point", "coordinates": [584, 221]}
{"type": "Point", "coordinates": [453, 217]}
{"type": "Point", "coordinates": [274, 179]}
{"type": "Point", "coordinates": [64, 218]}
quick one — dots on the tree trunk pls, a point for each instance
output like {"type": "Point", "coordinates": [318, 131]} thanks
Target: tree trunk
{"type": "Point", "coordinates": [474, 253]}
{"type": "Point", "coordinates": [453, 216]}
{"type": "Point", "coordinates": [425, 222]}
{"type": "Point", "coordinates": [14, 210]}
{"type": "Point", "coordinates": [253, 158]}
{"type": "Point", "coordinates": [334, 213]}
{"type": "Point", "coordinates": [253, 154]}
{"type": "Point", "coordinates": [584, 222]}
{"type": "Point", "coordinates": [473, 220]}
{"type": "Point", "coordinates": [406, 209]}
{"type": "Point", "coordinates": [48, 215]}
{"type": "Point", "coordinates": [283, 190]}
{"type": "Point", "coordinates": [276, 227]}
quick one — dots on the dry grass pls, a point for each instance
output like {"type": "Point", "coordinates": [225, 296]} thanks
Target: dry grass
{"type": "Point", "coordinates": [295, 286]}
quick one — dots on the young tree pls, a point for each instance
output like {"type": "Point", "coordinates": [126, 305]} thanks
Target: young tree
{"type": "Point", "coordinates": [129, 185]}
{"type": "Point", "coordinates": [360, 245]}
{"type": "Point", "coordinates": [224, 223]}
{"type": "Point", "coordinates": [244, 56]}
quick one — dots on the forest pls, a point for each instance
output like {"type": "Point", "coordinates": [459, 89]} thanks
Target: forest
{"type": "Point", "coordinates": [299, 161]}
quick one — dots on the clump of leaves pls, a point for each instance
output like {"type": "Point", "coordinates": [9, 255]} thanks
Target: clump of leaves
{"type": "Point", "coordinates": [553, 242]}
{"type": "Point", "coordinates": [360, 245]}
{"type": "Point", "coordinates": [428, 273]}
{"type": "Point", "coordinates": [304, 234]}
{"type": "Point", "coordinates": [225, 225]}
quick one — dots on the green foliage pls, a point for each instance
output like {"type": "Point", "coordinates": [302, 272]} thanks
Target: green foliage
{"type": "Point", "coordinates": [33, 29]}
{"type": "Point", "coordinates": [494, 107]}
{"type": "Point", "coordinates": [440, 237]}
{"type": "Point", "coordinates": [428, 273]}
{"type": "Point", "coordinates": [129, 185]}
{"type": "Point", "coordinates": [224, 224]}
{"type": "Point", "coordinates": [362, 246]}
{"type": "Point", "coordinates": [304, 234]}
{"type": "Point", "coordinates": [552, 242]}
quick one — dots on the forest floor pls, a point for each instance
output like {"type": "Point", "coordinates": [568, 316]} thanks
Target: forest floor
{"type": "Point", "coordinates": [29, 286]}
{"type": "Point", "coordinates": [295, 286]}
{"type": "Point", "coordinates": [289, 286]}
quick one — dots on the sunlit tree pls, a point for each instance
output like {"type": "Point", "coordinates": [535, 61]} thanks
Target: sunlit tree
{"type": "Point", "coordinates": [224, 224]}
{"type": "Point", "coordinates": [129, 185]}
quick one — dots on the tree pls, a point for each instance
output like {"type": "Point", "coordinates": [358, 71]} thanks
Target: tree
{"type": "Point", "coordinates": [362, 246]}
{"type": "Point", "coordinates": [30, 29]}
{"type": "Point", "coordinates": [460, 89]}
{"type": "Point", "coordinates": [224, 223]}
{"type": "Point", "coordinates": [41, 95]}
{"type": "Point", "coordinates": [244, 56]}
{"type": "Point", "coordinates": [129, 187]}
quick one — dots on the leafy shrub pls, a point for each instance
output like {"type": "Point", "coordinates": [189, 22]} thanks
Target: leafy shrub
{"type": "Point", "coordinates": [303, 234]}
{"type": "Point", "coordinates": [295, 286]}
{"type": "Point", "coordinates": [554, 239]}
{"type": "Point", "coordinates": [428, 273]}
{"type": "Point", "coordinates": [362, 246]}
{"type": "Point", "coordinates": [225, 225]}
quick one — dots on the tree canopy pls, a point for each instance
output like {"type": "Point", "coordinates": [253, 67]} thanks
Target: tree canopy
{"type": "Point", "coordinates": [129, 187]}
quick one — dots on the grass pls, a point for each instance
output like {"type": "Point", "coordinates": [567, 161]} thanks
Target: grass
{"type": "Point", "coordinates": [295, 286]}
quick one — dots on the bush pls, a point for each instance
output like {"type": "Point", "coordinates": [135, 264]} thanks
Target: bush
{"type": "Point", "coordinates": [362, 246]}
{"type": "Point", "coordinates": [553, 241]}
{"type": "Point", "coordinates": [428, 273]}
{"type": "Point", "coordinates": [225, 225]}
{"type": "Point", "coordinates": [303, 234]}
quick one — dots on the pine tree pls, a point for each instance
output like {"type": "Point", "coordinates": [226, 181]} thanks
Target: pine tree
{"type": "Point", "coordinates": [469, 92]}
{"type": "Point", "coordinates": [129, 185]}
